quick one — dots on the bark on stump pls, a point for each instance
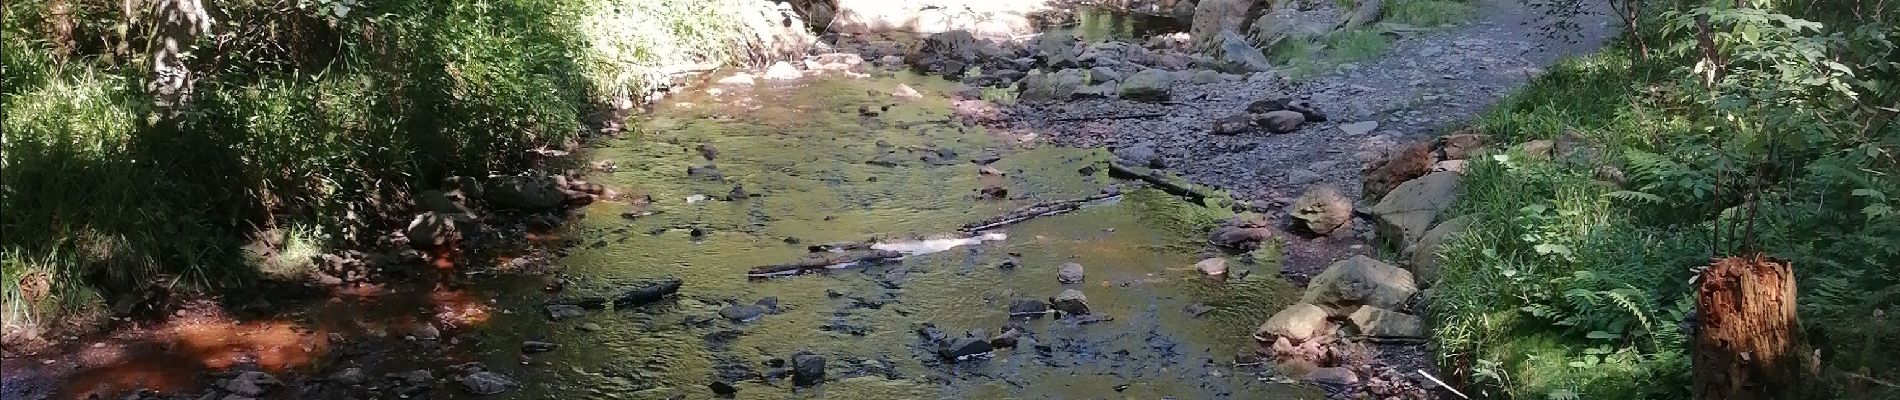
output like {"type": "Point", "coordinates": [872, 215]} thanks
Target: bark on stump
{"type": "Point", "coordinates": [1747, 345]}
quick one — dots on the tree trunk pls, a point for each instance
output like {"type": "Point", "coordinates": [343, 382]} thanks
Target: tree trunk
{"type": "Point", "coordinates": [1747, 346]}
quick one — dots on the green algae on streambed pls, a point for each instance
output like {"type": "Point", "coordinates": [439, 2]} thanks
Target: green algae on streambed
{"type": "Point", "coordinates": [802, 148]}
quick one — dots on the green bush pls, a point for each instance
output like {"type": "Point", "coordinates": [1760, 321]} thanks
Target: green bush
{"type": "Point", "coordinates": [1427, 13]}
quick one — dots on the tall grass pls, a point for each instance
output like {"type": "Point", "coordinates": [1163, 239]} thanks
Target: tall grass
{"type": "Point", "coordinates": [308, 126]}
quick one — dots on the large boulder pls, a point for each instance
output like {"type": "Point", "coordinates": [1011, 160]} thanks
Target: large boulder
{"type": "Point", "coordinates": [524, 192]}
{"type": "Point", "coordinates": [1057, 49]}
{"type": "Point", "coordinates": [1060, 85]}
{"type": "Point", "coordinates": [1233, 54]}
{"type": "Point", "coordinates": [1211, 17]}
{"type": "Point", "coordinates": [941, 52]}
{"type": "Point", "coordinates": [807, 369]}
{"type": "Point", "coordinates": [1359, 281]}
{"type": "Point", "coordinates": [1282, 121]}
{"type": "Point", "coordinates": [775, 33]}
{"type": "Point", "coordinates": [1070, 302]}
{"type": "Point", "coordinates": [1282, 25]}
{"type": "Point", "coordinates": [1423, 256]}
{"type": "Point", "coordinates": [1405, 214]}
{"type": "Point", "coordinates": [1382, 323]}
{"type": "Point", "coordinates": [1300, 322]}
{"type": "Point", "coordinates": [1151, 85]}
{"type": "Point", "coordinates": [1322, 210]}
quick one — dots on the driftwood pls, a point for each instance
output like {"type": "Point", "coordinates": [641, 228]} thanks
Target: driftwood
{"type": "Point", "coordinates": [647, 293]}
{"type": "Point", "coordinates": [1033, 211]}
{"type": "Point", "coordinates": [1122, 171]}
{"type": "Point", "coordinates": [820, 261]}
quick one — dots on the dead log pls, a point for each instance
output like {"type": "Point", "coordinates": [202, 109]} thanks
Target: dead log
{"type": "Point", "coordinates": [647, 293]}
{"type": "Point", "coordinates": [1034, 211]}
{"type": "Point", "coordinates": [1166, 184]}
{"type": "Point", "coordinates": [1747, 344]}
{"type": "Point", "coordinates": [820, 261]}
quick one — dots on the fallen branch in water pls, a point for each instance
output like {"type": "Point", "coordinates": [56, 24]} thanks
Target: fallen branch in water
{"type": "Point", "coordinates": [1109, 117]}
{"type": "Point", "coordinates": [1034, 211]}
{"type": "Point", "coordinates": [1122, 171]}
{"type": "Point", "coordinates": [647, 293]}
{"type": "Point", "coordinates": [821, 261]}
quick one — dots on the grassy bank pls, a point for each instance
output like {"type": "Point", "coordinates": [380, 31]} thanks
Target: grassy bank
{"type": "Point", "coordinates": [1574, 278]}
{"type": "Point", "coordinates": [309, 124]}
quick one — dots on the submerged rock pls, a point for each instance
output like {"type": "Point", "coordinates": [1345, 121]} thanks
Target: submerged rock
{"type": "Point", "coordinates": [487, 383]}
{"type": "Point", "coordinates": [1213, 266]}
{"type": "Point", "coordinates": [536, 346]}
{"type": "Point", "coordinates": [807, 369]}
{"type": "Point", "coordinates": [743, 313]}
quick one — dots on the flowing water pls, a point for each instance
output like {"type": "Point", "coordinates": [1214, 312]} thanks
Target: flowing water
{"type": "Point", "coordinates": [800, 149]}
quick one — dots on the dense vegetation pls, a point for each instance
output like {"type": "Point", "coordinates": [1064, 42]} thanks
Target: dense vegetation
{"type": "Point", "coordinates": [1714, 129]}
{"type": "Point", "coordinates": [307, 123]}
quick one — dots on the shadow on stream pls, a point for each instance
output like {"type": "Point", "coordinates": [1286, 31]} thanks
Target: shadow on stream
{"type": "Point", "coordinates": [775, 167]}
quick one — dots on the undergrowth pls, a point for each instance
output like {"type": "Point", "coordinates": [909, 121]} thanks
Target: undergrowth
{"type": "Point", "coordinates": [1574, 278]}
{"type": "Point", "coordinates": [307, 126]}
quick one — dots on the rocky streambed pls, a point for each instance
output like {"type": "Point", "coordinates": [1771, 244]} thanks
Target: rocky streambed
{"type": "Point", "coordinates": [894, 218]}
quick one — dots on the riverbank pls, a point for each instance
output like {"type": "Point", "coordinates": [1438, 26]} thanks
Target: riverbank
{"type": "Point", "coordinates": [290, 132]}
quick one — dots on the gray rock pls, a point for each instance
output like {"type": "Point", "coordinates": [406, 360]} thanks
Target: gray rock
{"type": "Point", "coordinates": [1233, 125]}
{"type": "Point", "coordinates": [1360, 128]}
{"type": "Point", "coordinates": [425, 331]}
{"type": "Point", "coordinates": [1299, 322]}
{"type": "Point", "coordinates": [1242, 237]}
{"type": "Point", "coordinates": [250, 383]}
{"type": "Point", "coordinates": [1302, 176]}
{"type": "Point", "coordinates": [945, 52]}
{"type": "Point", "coordinates": [1069, 273]}
{"type": "Point", "coordinates": [349, 376]}
{"type": "Point", "coordinates": [1101, 91]}
{"type": "Point", "coordinates": [523, 192]}
{"type": "Point", "coordinates": [1408, 211]}
{"type": "Point", "coordinates": [1070, 302]}
{"type": "Point", "coordinates": [1281, 121]}
{"type": "Point", "coordinates": [1205, 76]}
{"type": "Point", "coordinates": [1100, 75]}
{"type": "Point", "coordinates": [1140, 155]}
{"type": "Point", "coordinates": [708, 172]}
{"type": "Point", "coordinates": [1381, 323]}
{"type": "Point", "coordinates": [1321, 210]}
{"type": "Point", "coordinates": [1359, 281]}
{"type": "Point", "coordinates": [1424, 256]}
{"type": "Point", "coordinates": [807, 369]}
{"type": "Point", "coordinates": [1148, 85]}
{"type": "Point", "coordinates": [1235, 55]}
{"type": "Point", "coordinates": [487, 383]}
{"type": "Point", "coordinates": [1060, 85]}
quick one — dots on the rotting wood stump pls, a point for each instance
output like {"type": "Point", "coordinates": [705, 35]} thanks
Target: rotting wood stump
{"type": "Point", "coordinates": [1747, 345]}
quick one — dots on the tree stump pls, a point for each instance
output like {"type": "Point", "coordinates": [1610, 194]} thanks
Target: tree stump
{"type": "Point", "coordinates": [1748, 343]}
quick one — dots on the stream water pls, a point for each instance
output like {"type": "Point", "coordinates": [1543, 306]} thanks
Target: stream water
{"type": "Point", "coordinates": [800, 150]}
